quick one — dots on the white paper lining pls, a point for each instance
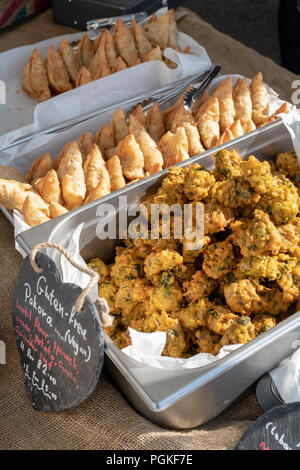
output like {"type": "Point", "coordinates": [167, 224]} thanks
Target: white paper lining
{"type": "Point", "coordinates": [147, 347]}
{"type": "Point", "coordinates": [22, 115]}
{"type": "Point", "coordinates": [287, 376]}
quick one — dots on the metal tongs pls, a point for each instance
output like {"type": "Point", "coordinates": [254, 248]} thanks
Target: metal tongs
{"type": "Point", "coordinates": [194, 93]}
{"type": "Point", "coordinates": [97, 25]}
{"type": "Point", "coordinates": [161, 95]}
{"type": "Point", "coordinates": [141, 17]}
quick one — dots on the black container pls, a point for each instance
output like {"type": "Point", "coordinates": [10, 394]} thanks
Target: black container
{"type": "Point", "coordinates": [77, 12]}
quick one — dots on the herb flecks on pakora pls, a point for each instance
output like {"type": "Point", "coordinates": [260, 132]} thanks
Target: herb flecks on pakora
{"type": "Point", "coordinates": [241, 281]}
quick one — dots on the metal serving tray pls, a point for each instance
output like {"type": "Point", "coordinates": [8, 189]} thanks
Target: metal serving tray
{"type": "Point", "coordinates": [185, 398]}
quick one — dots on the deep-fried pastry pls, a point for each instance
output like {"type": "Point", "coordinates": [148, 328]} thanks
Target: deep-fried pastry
{"type": "Point", "coordinates": [70, 173]}
{"type": "Point", "coordinates": [13, 194]}
{"type": "Point", "coordinates": [158, 31]}
{"type": "Point", "coordinates": [174, 147]}
{"type": "Point", "coordinates": [105, 137]}
{"type": "Point", "coordinates": [120, 128]}
{"type": "Point", "coordinates": [48, 187]}
{"type": "Point", "coordinates": [154, 54]}
{"type": "Point", "coordinates": [34, 78]}
{"type": "Point", "coordinates": [35, 210]}
{"type": "Point", "coordinates": [11, 173]}
{"type": "Point", "coordinates": [153, 159]}
{"type": "Point", "coordinates": [95, 170]}
{"type": "Point", "coordinates": [86, 51]}
{"type": "Point", "coordinates": [208, 123]}
{"type": "Point", "coordinates": [172, 38]}
{"type": "Point", "coordinates": [143, 45]}
{"type": "Point", "coordinates": [110, 50]}
{"type": "Point", "coordinates": [57, 72]}
{"type": "Point", "coordinates": [242, 101]}
{"type": "Point", "coordinates": [155, 122]}
{"type": "Point", "coordinates": [114, 169]}
{"type": "Point", "coordinates": [39, 168]}
{"type": "Point", "coordinates": [83, 77]}
{"type": "Point", "coordinates": [131, 158]}
{"type": "Point", "coordinates": [119, 65]}
{"type": "Point", "coordinates": [260, 100]}
{"type": "Point", "coordinates": [56, 209]}
{"type": "Point", "coordinates": [124, 43]}
{"type": "Point", "coordinates": [227, 111]}
{"type": "Point", "coordinates": [70, 58]}
{"type": "Point", "coordinates": [85, 144]}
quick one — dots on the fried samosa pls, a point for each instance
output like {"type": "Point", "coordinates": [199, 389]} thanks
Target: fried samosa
{"type": "Point", "coordinates": [131, 158]}
{"type": "Point", "coordinates": [71, 176]}
{"type": "Point", "coordinates": [124, 43]}
{"type": "Point", "coordinates": [260, 100]}
{"type": "Point", "coordinates": [70, 58]}
{"type": "Point", "coordinates": [114, 169]}
{"type": "Point", "coordinates": [35, 210]}
{"type": "Point", "coordinates": [39, 168]}
{"type": "Point", "coordinates": [208, 123]}
{"type": "Point", "coordinates": [48, 187]}
{"type": "Point", "coordinates": [13, 194]}
{"type": "Point", "coordinates": [34, 78]}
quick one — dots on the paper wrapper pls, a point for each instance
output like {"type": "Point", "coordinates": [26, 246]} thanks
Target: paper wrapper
{"type": "Point", "coordinates": [22, 115]}
{"type": "Point", "coordinates": [146, 347]}
{"type": "Point", "coordinates": [287, 377]}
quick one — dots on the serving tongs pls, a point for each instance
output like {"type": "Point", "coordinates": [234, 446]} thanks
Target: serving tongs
{"type": "Point", "coordinates": [141, 17]}
{"type": "Point", "coordinates": [161, 95]}
{"type": "Point", "coordinates": [194, 93]}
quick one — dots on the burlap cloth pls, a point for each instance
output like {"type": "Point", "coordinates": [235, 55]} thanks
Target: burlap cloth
{"type": "Point", "coordinates": [106, 420]}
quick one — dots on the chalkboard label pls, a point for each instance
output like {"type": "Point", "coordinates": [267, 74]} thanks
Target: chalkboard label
{"type": "Point", "coordinates": [277, 429]}
{"type": "Point", "coordinates": [61, 350]}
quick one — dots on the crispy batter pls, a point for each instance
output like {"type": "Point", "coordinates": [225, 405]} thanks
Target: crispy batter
{"type": "Point", "coordinates": [225, 292]}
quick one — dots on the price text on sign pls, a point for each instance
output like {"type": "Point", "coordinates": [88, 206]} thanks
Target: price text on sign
{"type": "Point", "coordinates": [61, 349]}
{"type": "Point", "coordinates": [277, 429]}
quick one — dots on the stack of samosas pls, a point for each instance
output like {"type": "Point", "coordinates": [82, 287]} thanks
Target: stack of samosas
{"type": "Point", "coordinates": [71, 67]}
{"type": "Point", "coordinates": [126, 150]}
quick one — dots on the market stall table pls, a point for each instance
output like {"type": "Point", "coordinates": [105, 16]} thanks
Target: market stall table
{"type": "Point", "coordinates": [106, 420]}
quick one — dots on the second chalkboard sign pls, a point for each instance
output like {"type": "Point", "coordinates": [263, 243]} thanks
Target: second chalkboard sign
{"type": "Point", "coordinates": [61, 350]}
{"type": "Point", "coordinates": [277, 429]}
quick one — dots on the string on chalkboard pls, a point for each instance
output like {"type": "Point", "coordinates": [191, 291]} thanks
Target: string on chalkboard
{"type": "Point", "coordinates": [101, 304]}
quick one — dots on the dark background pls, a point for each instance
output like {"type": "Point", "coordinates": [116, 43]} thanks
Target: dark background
{"type": "Point", "coordinates": [253, 22]}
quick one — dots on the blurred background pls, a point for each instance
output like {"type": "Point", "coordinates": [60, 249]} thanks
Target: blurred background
{"type": "Point", "coordinates": [254, 22]}
{"type": "Point", "coordinates": [271, 27]}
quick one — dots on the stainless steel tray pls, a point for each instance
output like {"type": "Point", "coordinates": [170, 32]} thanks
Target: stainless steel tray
{"type": "Point", "coordinates": [186, 398]}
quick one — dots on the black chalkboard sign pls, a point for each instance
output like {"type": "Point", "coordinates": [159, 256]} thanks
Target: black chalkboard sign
{"type": "Point", "coordinates": [61, 350]}
{"type": "Point", "coordinates": [277, 429]}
